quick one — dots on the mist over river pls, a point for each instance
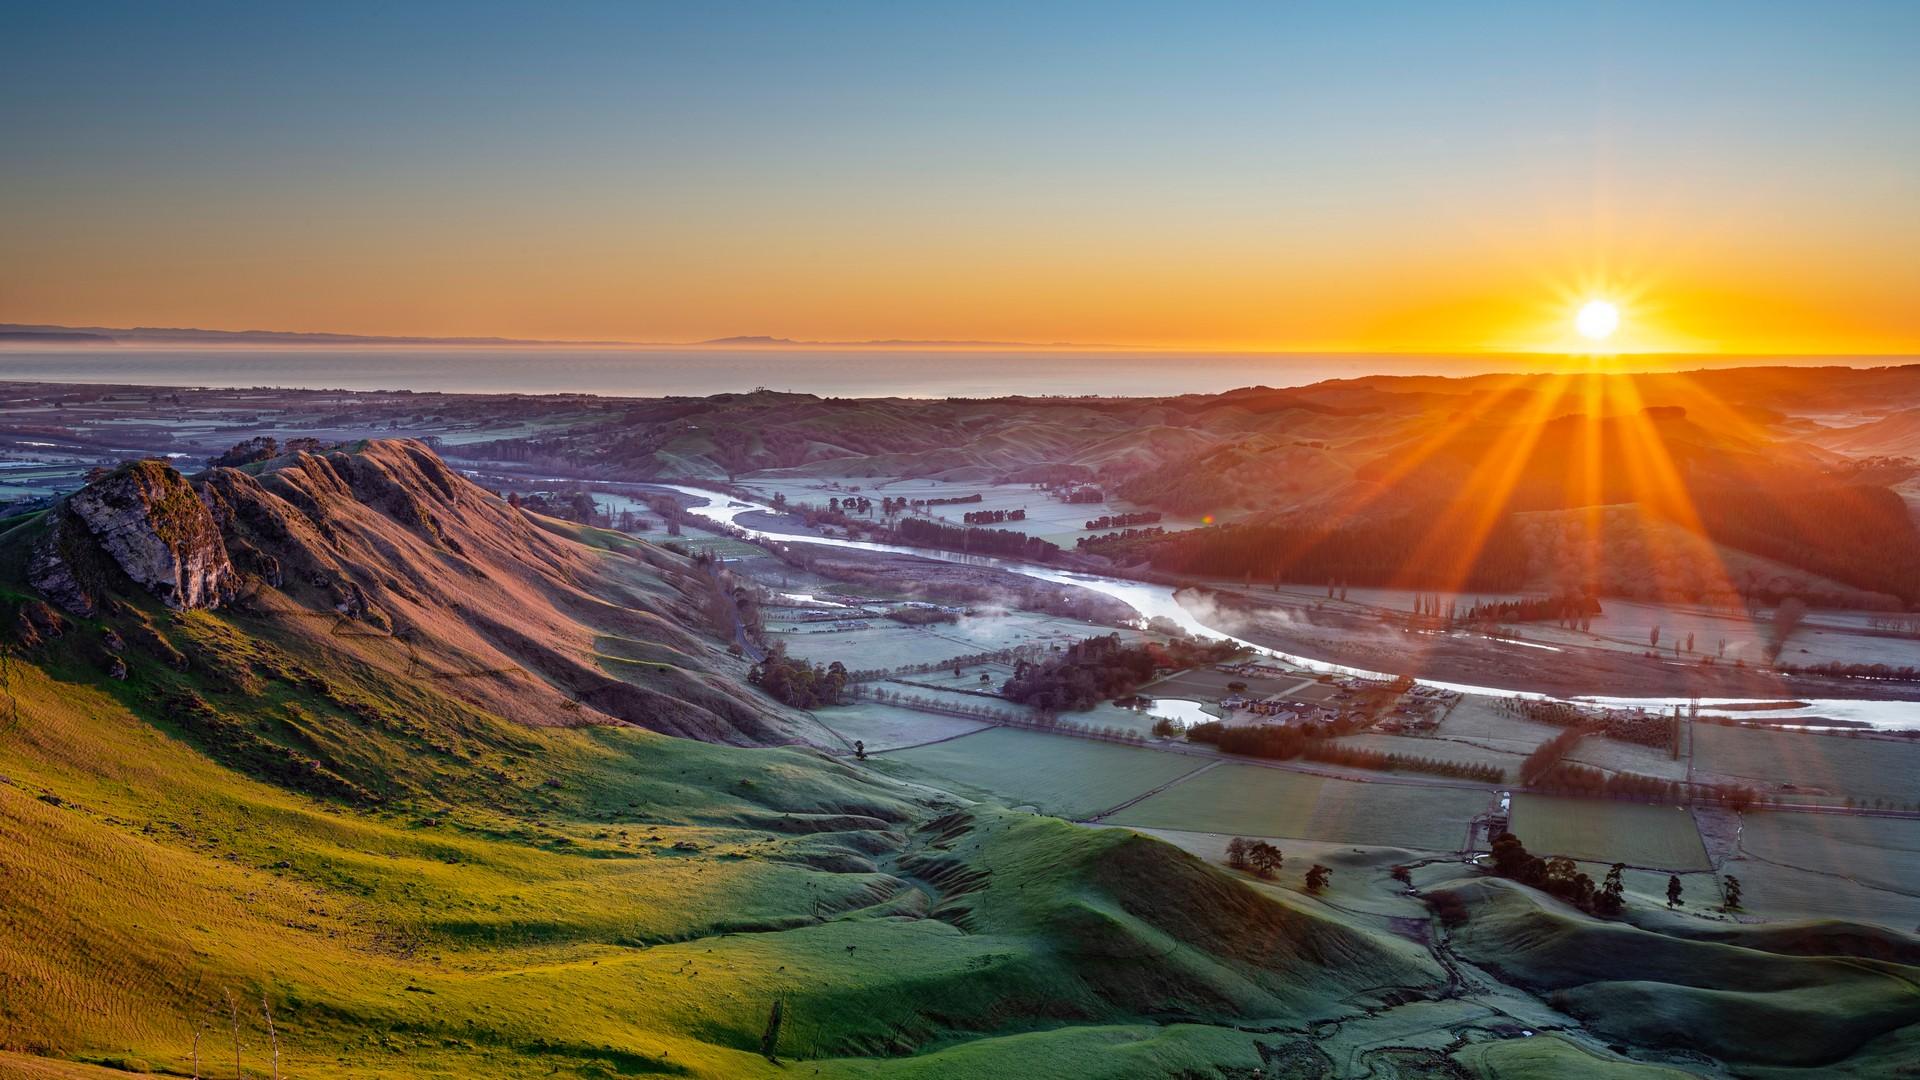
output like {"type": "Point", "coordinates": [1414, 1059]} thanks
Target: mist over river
{"type": "Point", "coordinates": [1152, 600]}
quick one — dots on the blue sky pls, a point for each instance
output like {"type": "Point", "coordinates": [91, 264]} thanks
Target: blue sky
{"type": "Point", "coordinates": [796, 142]}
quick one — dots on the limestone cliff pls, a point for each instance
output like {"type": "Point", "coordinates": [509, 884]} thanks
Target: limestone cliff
{"type": "Point", "coordinates": [144, 521]}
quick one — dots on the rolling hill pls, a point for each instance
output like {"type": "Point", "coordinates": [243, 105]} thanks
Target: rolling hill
{"type": "Point", "coordinates": [295, 740]}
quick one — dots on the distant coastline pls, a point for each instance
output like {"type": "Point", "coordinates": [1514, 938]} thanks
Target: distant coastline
{"type": "Point", "coordinates": [925, 371]}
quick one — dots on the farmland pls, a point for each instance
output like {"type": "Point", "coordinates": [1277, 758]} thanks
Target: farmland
{"type": "Point", "coordinates": [1046, 517]}
{"type": "Point", "coordinates": [1864, 768]}
{"type": "Point", "coordinates": [1061, 776]}
{"type": "Point", "coordinates": [1252, 800]}
{"type": "Point", "coordinates": [1881, 854]}
{"type": "Point", "coordinates": [1663, 837]}
{"type": "Point", "coordinates": [883, 644]}
{"type": "Point", "coordinates": [887, 727]}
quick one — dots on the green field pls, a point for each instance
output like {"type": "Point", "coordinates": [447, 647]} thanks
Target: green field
{"type": "Point", "coordinates": [1604, 830]}
{"type": "Point", "coordinates": [1879, 855]}
{"type": "Point", "coordinates": [1056, 774]}
{"type": "Point", "coordinates": [1867, 769]}
{"type": "Point", "coordinates": [1251, 800]}
{"type": "Point", "coordinates": [884, 644]}
{"type": "Point", "coordinates": [887, 727]}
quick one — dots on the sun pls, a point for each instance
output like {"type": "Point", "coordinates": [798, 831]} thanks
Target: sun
{"type": "Point", "coordinates": [1597, 320]}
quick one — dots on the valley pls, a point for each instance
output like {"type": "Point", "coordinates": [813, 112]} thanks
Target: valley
{"type": "Point", "coordinates": [457, 762]}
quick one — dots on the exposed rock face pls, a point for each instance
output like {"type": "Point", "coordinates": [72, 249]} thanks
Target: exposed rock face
{"type": "Point", "coordinates": [147, 522]}
{"type": "Point", "coordinates": [432, 577]}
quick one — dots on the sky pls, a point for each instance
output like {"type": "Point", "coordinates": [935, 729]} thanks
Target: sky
{"type": "Point", "coordinates": [1737, 177]}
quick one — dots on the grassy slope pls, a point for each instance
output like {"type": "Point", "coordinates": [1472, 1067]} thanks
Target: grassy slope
{"type": "Point", "coordinates": [1766, 998]}
{"type": "Point", "coordinates": [421, 887]}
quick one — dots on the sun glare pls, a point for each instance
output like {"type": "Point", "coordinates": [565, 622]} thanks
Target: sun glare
{"type": "Point", "coordinates": [1597, 320]}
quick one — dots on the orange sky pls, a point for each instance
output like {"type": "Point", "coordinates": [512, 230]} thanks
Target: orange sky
{"type": "Point", "coordinates": [1278, 181]}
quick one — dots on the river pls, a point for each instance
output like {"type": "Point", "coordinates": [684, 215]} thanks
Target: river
{"type": "Point", "coordinates": [1158, 601]}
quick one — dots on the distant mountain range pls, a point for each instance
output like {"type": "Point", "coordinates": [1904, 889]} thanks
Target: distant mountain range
{"type": "Point", "coordinates": [32, 334]}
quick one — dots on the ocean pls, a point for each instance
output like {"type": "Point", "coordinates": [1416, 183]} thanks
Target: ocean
{"type": "Point", "coordinates": [655, 372]}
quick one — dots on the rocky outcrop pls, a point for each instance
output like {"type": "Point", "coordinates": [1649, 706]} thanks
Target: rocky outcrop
{"type": "Point", "coordinates": [142, 521]}
{"type": "Point", "coordinates": [384, 549]}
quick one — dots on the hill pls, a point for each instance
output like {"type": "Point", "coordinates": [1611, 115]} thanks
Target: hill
{"type": "Point", "coordinates": [214, 805]}
{"type": "Point", "coordinates": [1897, 435]}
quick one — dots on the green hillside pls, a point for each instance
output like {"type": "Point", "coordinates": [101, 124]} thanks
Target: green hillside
{"type": "Point", "coordinates": [388, 783]}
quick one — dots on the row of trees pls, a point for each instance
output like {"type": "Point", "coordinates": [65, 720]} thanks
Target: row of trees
{"type": "Point", "coordinates": [1883, 672]}
{"type": "Point", "coordinates": [1284, 743]}
{"type": "Point", "coordinates": [1535, 766]}
{"type": "Point", "coordinates": [993, 517]}
{"type": "Point", "coordinates": [1404, 551]}
{"type": "Point", "coordinates": [1121, 521]}
{"type": "Point", "coordinates": [1096, 545]}
{"type": "Point", "coordinates": [1002, 542]}
{"type": "Point", "coordinates": [1568, 609]}
{"type": "Point", "coordinates": [1567, 778]}
{"type": "Point", "coordinates": [1647, 729]}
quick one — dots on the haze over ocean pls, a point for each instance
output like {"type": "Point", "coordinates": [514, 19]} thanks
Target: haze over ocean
{"type": "Point", "coordinates": [628, 372]}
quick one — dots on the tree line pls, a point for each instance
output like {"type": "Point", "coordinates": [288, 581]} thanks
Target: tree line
{"type": "Point", "coordinates": [1003, 542]}
{"type": "Point", "coordinates": [1121, 521]}
{"type": "Point", "coordinates": [1096, 545]}
{"type": "Point", "coordinates": [1859, 534]}
{"type": "Point", "coordinates": [1647, 729]}
{"type": "Point", "coordinates": [1535, 766]}
{"type": "Point", "coordinates": [1566, 778]}
{"type": "Point", "coordinates": [1103, 668]}
{"type": "Point", "coordinates": [1281, 743]}
{"type": "Point", "coordinates": [1401, 551]}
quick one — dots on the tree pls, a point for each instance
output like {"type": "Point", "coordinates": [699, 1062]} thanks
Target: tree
{"type": "Point", "coordinates": [1673, 890]}
{"type": "Point", "coordinates": [1264, 858]}
{"type": "Point", "coordinates": [1509, 855]}
{"type": "Point", "coordinates": [1732, 886]}
{"type": "Point", "coordinates": [1317, 876]}
{"type": "Point", "coordinates": [1786, 620]}
{"type": "Point", "coordinates": [859, 750]}
{"type": "Point", "coordinates": [1237, 853]}
{"type": "Point", "coordinates": [1612, 898]}
{"type": "Point", "coordinates": [1653, 638]}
